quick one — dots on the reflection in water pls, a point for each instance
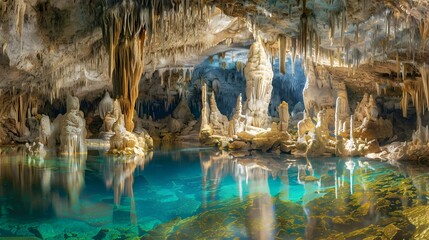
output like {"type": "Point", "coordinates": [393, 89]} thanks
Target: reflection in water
{"type": "Point", "coordinates": [350, 165]}
{"type": "Point", "coordinates": [52, 187]}
{"type": "Point", "coordinates": [261, 217]}
{"type": "Point", "coordinates": [38, 188]}
{"type": "Point", "coordinates": [106, 191]}
{"type": "Point", "coordinates": [119, 175]}
{"type": "Point", "coordinates": [252, 177]}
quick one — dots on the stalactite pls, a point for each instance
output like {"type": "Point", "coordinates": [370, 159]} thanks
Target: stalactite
{"type": "Point", "coordinates": [357, 34]}
{"type": "Point", "coordinates": [388, 23]}
{"type": "Point", "coordinates": [239, 66]}
{"type": "Point", "coordinates": [331, 21]}
{"type": "Point", "coordinates": [424, 70]}
{"type": "Point", "coordinates": [4, 47]}
{"type": "Point", "coordinates": [404, 102]}
{"type": "Point", "coordinates": [339, 56]}
{"type": "Point", "coordinates": [303, 29]}
{"type": "Point", "coordinates": [293, 53]}
{"type": "Point", "coordinates": [411, 41]}
{"type": "Point", "coordinates": [282, 53]}
{"type": "Point", "coordinates": [20, 7]}
{"type": "Point", "coordinates": [311, 41]}
{"type": "Point", "coordinates": [424, 33]}
{"type": "Point", "coordinates": [317, 47]}
{"type": "Point", "coordinates": [124, 36]}
{"type": "Point", "coordinates": [378, 88]}
{"type": "Point", "coordinates": [343, 25]}
{"type": "Point", "coordinates": [416, 90]}
{"type": "Point", "coordinates": [398, 65]}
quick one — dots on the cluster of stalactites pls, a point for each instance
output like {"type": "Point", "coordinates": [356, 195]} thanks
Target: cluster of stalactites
{"type": "Point", "coordinates": [173, 28]}
{"type": "Point", "coordinates": [124, 32]}
{"type": "Point", "coordinates": [20, 106]}
{"type": "Point", "coordinates": [179, 83]}
{"type": "Point", "coordinates": [66, 77]}
{"type": "Point", "coordinates": [287, 44]}
{"type": "Point", "coordinates": [127, 23]}
{"type": "Point", "coordinates": [419, 92]}
{"type": "Point", "coordinates": [16, 10]}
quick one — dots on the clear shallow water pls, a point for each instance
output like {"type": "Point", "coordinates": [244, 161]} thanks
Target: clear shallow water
{"type": "Point", "coordinates": [202, 193]}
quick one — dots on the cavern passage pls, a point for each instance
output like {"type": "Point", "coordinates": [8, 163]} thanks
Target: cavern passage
{"type": "Point", "coordinates": [214, 119]}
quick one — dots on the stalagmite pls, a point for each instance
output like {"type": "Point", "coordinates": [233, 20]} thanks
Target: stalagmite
{"type": "Point", "coordinates": [71, 129]}
{"type": "Point", "coordinates": [105, 106]}
{"type": "Point", "coordinates": [337, 116]}
{"type": "Point", "coordinates": [205, 111]}
{"type": "Point", "coordinates": [351, 128]}
{"type": "Point", "coordinates": [283, 110]}
{"type": "Point", "coordinates": [259, 76]}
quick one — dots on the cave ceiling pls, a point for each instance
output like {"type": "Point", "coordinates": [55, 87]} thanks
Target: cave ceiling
{"type": "Point", "coordinates": [52, 47]}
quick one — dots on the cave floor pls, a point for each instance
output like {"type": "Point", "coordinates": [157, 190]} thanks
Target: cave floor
{"type": "Point", "coordinates": [201, 193]}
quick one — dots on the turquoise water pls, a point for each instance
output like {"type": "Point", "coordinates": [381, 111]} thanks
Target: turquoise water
{"type": "Point", "coordinates": [201, 193]}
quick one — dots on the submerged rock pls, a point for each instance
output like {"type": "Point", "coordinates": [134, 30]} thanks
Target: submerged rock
{"type": "Point", "coordinates": [418, 216]}
{"type": "Point", "coordinates": [44, 231]}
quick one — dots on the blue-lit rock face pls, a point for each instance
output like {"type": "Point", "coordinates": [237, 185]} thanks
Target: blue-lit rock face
{"type": "Point", "coordinates": [225, 78]}
{"type": "Point", "coordinates": [223, 74]}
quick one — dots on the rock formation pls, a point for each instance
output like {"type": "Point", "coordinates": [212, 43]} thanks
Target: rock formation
{"type": "Point", "coordinates": [283, 110]}
{"type": "Point", "coordinates": [259, 76]}
{"type": "Point", "coordinates": [305, 126]}
{"type": "Point", "coordinates": [205, 111]}
{"type": "Point", "coordinates": [124, 142]}
{"type": "Point", "coordinates": [348, 50]}
{"type": "Point", "coordinates": [371, 126]}
{"type": "Point", "coordinates": [105, 106]}
{"type": "Point", "coordinates": [109, 120]}
{"type": "Point", "coordinates": [44, 130]}
{"type": "Point", "coordinates": [317, 145]}
{"type": "Point", "coordinates": [238, 121]}
{"type": "Point", "coordinates": [70, 129]}
{"type": "Point", "coordinates": [218, 122]}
